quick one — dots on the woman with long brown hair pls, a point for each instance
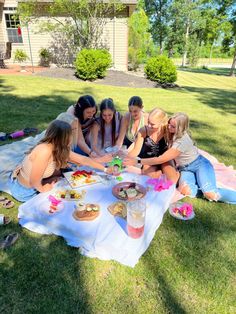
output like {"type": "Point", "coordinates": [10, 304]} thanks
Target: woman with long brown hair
{"type": "Point", "coordinates": [50, 155]}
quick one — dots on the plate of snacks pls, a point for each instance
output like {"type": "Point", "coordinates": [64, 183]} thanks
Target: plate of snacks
{"type": "Point", "coordinates": [118, 209]}
{"type": "Point", "coordinates": [86, 212]}
{"type": "Point", "coordinates": [182, 211]}
{"type": "Point", "coordinates": [81, 178]}
{"type": "Point", "coordinates": [70, 195]}
{"type": "Point", "coordinates": [129, 191]}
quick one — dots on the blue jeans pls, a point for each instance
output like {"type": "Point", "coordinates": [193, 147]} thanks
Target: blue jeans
{"type": "Point", "coordinates": [199, 176]}
{"type": "Point", "coordinates": [20, 192]}
{"type": "Point", "coordinates": [78, 150]}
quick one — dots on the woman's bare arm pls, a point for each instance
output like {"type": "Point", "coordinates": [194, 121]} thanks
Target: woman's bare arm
{"type": "Point", "coordinates": [94, 139]}
{"type": "Point", "coordinates": [123, 130]}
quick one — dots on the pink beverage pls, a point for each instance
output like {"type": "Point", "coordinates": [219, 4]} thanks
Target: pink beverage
{"type": "Point", "coordinates": [136, 211]}
{"type": "Point", "coordinates": [135, 233]}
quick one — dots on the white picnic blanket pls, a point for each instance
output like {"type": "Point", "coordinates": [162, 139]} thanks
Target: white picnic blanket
{"type": "Point", "coordinates": [12, 154]}
{"type": "Point", "coordinates": [106, 237]}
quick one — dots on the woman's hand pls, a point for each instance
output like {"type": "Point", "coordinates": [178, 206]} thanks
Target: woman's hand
{"type": "Point", "coordinates": [104, 158]}
{"type": "Point", "coordinates": [109, 170]}
{"type": "Point", "coordinates": [130, 161]}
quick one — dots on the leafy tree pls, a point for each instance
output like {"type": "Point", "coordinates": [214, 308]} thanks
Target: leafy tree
{"type": "Point", "coordinates": [158, 12]}
{"type": "Point", "coordinates": [140, 40]}
{"type": "Point", "coordinates": [83, 22]}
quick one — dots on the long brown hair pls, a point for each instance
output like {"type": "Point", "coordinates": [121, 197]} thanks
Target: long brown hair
{"type": "Point", "coordinates": [59, 134]}
{"type": "Point", "coordinates": [107, 103]}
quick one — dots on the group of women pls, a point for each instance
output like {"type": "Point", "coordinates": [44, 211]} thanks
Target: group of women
{"type": "Point", "coordinates": [156, 142]}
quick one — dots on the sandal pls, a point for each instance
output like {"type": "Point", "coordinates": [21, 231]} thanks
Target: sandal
{"type": "Point", "coordinates": [28, 131]}
{"type": "Point", "coordinates": [4, 220]}
{"type": "Point", "coordinates": [8, 240]}
{"type": "Point", "coordinates": [6, 203]}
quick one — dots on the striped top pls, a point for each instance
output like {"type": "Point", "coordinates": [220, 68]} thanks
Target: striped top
{"type": "Point", "coordinates": [26, 168]}
{"type": "Point", "coordinates": [130, 134]}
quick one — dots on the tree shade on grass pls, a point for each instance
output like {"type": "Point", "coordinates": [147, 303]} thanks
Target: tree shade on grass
{"type": "Point", "coordinates": [189, 266]}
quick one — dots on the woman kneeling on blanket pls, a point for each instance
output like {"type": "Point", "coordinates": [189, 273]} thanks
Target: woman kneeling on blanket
{"type": "Point", "coordinates": [196, 172]}
{"type": "Point", "coordinates": [50, 155]}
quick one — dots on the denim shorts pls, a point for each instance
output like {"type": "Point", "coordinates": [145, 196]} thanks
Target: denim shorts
{"type": "Point", "coordinates": [20, 192]}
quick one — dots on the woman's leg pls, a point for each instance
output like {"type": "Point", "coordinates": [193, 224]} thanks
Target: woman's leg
{"type": "Point", "coordinates": [206, 179]}
{"type": "Point", "coordinates": [171, 173]}
{"type": "Point", "coordinates": [227, 196]}
{"type": "Point", "coordinates": [188, 184]}
{"type": "Point", "coordinates": [78, 150]}
{"type": "Point", "coordinates": [151, 171]}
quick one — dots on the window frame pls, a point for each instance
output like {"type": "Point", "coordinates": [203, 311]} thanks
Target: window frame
{"type": "Point", "coordinates": [12, 26]}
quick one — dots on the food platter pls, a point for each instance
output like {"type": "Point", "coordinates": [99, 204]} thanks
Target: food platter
{"type": "Point", "coordinates": [69, 195]}
{"type": "Point", "coordinates": [118, 209]}
{"type": "Point", "coordinates": [81, 178]}
{"type": "Point", "coordinates": [129, 191]}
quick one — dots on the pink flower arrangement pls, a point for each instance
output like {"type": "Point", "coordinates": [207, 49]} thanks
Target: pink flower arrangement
{"type": "Point", "coordinates": [185, 210]}
{"type": "Point", "coordinates": [160, 184]}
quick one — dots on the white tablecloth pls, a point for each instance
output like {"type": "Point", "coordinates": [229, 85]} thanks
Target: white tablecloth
{"type": "Point", "coordinates": [106, 237]}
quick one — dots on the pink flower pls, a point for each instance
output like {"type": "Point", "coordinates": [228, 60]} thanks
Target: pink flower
{"type": "Point", "coordinates": [160, 184]}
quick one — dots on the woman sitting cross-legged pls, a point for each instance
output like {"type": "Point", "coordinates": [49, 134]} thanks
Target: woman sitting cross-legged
{"type": "Point", "coordinates": [51, 154]}
{"type": "Point", "coordinates": [132, 122]}
{"type": "Point", "coordinates": [151, 142]}
{"type": "Point", "coordinates": [85, 110]}
{"type": "Point", "coordinates": [196, 172]}
{"type": "Point", "coordinates": [105, 130]}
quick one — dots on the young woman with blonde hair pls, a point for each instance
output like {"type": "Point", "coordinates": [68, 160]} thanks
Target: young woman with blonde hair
{"type": "Point", "coordinates": [151, 142]}
{"type": "Point", "coordinates": [196, 172]}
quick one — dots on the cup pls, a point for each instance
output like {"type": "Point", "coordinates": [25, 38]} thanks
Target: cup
{"type": "Point", "coordinates": [136, 212]}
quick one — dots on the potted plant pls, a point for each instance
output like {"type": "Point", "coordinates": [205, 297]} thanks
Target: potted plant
{"type": "Point", "coordinates": [45, 57]}
{"type": "Point", "coordinates": [21, 56]}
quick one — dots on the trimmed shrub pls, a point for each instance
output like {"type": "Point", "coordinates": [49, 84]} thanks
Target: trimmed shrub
{"type": "Point", "coordinates": [161, 69]}
{"type": "Point", "coordinates": [45, 57]}
{"type": "Point", "coordinates": [91, 64]}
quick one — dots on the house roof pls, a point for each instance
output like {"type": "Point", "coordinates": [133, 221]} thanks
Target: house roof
{"type": "Point", "coordinates": [122, 1]}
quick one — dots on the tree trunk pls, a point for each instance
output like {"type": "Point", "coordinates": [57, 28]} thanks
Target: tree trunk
{"type": "Point", "coordinates": [231, 73]}
{"type": "Point", "coordinates": [184, 58]}
{"type": "Point", "coordinates": [211, 52]}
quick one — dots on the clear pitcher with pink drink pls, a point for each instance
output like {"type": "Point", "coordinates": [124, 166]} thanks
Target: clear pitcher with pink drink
{"type": "Point", "coordinates": [136, 212]}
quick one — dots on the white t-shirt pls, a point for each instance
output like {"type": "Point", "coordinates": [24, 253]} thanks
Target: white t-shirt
{"type": "Point", "coordinates": [188, 151]}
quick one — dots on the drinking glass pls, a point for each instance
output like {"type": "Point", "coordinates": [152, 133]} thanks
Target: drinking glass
{"type": "Point", "coordinates": [136, 212]}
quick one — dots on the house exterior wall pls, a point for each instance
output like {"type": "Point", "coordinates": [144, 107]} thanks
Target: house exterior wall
{"type": "Point", "coordinates": [115, 36]}
{"type": "Point", "coordinates": [1, 24]}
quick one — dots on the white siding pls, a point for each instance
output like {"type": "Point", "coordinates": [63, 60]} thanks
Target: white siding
{"type": "Point", "coordinates": [115, 37]}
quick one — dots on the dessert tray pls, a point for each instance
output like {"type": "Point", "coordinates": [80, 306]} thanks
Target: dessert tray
{"type": "Point", "coordinates": [81, 178]}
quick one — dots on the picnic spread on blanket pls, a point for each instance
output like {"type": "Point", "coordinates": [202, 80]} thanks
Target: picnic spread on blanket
{"type": "Point", "coordinates": [90, 210]}
{"type": "Point", "coordinates": [94, 217]}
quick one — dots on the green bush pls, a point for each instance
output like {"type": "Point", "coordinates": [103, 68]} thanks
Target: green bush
{"type": "Point", "coordinates": [45, 57]}
{"type": "Point", "coordinates": [91, 64]}
{"type": "Point", "coordinates": [161, 69]}
{"type": "Point", "coordinates": [20, 56]}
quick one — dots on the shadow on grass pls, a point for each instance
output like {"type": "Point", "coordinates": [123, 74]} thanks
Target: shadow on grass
{"type": "Point", "coordinates": [214, 71]}
{"type": "Point", "coordinates": [40, 274]}
{"type": "Point", "coordinates": [36, 111]}
{"type": "Point", "coordinates": [219, 99]}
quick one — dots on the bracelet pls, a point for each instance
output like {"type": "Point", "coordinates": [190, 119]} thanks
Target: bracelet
{"type": "Point", "coordinates": [139, 160]}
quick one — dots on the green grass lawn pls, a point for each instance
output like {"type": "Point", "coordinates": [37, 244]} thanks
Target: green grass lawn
{"type": "Point", "coordinates": [189, 266]}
